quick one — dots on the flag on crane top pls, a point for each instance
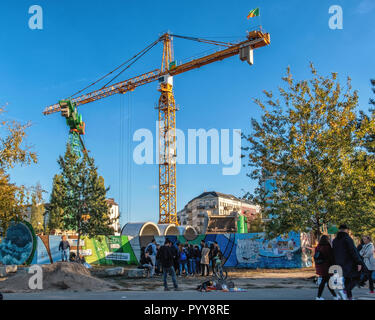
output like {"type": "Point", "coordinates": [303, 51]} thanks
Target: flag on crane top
{"type": "Point", "coordinates": [253, 13]}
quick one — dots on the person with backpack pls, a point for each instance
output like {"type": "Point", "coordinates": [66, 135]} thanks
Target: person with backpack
{"type": "Point", "coordinates": [323, 259]}
{"type": "Point", "coordinates": [183, 260]}
{"type": "Point", "coordinates": [348, 258]}
{"type": "Point", "coordinates": [151, 250]}
{"type": "Point", "coordinates": [367, 253]}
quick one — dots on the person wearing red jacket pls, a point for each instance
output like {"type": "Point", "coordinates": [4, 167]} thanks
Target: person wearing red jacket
{"type": "Point", "coordinates": [323, 260]}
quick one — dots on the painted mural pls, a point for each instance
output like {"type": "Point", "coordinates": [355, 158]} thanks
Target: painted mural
{"type": "Point", "coordinates": [249, 250]}
{"type": "Point", "coordinates": [18, 246]}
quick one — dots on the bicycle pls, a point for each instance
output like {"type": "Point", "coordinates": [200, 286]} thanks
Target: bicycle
{"type": "Point", "coordinates": [219, 272]}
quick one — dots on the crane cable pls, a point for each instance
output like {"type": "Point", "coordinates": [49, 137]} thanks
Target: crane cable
{"type": "Point", "coordinates": [141, 53]}
{"type": "Point", "coordinates": [129, 158]}
{"type": "Point", "coordinates": [120, 159]}
{"type": "Point", "coordinates": [216, 43]}
{"type": "Point", "coordinates": [137, 56]}
{"type": "Point", "coordinates": [125, 157]}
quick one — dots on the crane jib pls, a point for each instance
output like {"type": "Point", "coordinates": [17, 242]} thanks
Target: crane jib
{"type": "Point", "coordinates": [256, 39]}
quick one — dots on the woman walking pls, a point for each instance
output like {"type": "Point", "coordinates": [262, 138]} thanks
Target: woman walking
{"type": "Point", "coordinates": [323, 260]}
{"type": "Point", "coordinates": [367, 253]}
{"type": "Point", "coordinates": [205, 260]}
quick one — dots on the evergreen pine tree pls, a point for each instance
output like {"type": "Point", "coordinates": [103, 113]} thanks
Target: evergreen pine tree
{"type": "Point", "coordinates": [55, 209]}
{"type": "Point", "coordinates": [84, 205]}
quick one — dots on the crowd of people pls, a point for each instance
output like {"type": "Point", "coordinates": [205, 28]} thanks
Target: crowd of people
{"type": "Point", "coordinates": [353, 265]}
{"type": "Point", "coordinates": [185, 259]}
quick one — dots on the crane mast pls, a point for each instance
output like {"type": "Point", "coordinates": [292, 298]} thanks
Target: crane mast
{"type": "Point", "coordinates": [167, 141]}
{"type": "Point", "coordinates": [166, 107]}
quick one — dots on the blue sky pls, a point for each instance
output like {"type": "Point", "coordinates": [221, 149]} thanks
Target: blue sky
{"type": "Point", "coordinates": [82, 40]}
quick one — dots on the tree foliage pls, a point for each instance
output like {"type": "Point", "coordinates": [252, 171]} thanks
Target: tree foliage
{"type": "Point", "coordinates": [37, 208]}
{"type": "Point", "coordinates": [84, 205]}
{"type": "Point", "coordinates": [310, 149]}
{"type": "Point", "coordinates": [13, 201]}
{"type": "Point", "coordinates": [13, 151]}
{"type": "Point", "coordinates": [372, 100]}
{"type": "Point", "coordinates": [55, 209]}
{"type": "Point", "coordinates": [256, 225]}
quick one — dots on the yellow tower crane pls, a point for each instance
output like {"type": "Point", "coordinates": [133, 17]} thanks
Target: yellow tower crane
{"type": "Point", "coordinates": [167, 106]}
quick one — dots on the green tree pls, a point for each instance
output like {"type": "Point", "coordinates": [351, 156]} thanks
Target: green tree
{"type": "Point", "coordinates": [37, 208]}
{"type": "Point", "coordinates": [366, 122]}
{"type": "Point", "coordinates": [13, 201]}
{"type": "Point", "coordinates": [85, 209]}
{"type": "Point", "coordinates": [256, 225]}
{"type": "Point", "coordinates": [55, 208]}
{"type": "Point", "coordinates": [309, 147]}
{"type": "Point", "coordinates": [372, 100]}
{"type": "Point", "coordinates": [13, 151]}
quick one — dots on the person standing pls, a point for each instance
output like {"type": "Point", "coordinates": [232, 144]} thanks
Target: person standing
{"type": "Point", "coordinates": [347, 257]}
{"type": "Point", "coordinates": [214, 254]}
{"type": "Point", "coordinates": [367, 253]}
{"type": "Point", "coordinates": [197, 258]}
{"type": "Point", "coordinates": [157, 263]}
{"type": "Point", "coordinates": [166, 260]}
{"type": "Point", "coordinates": [183, 260]}
{"type": "Point", "coordinates": [64, 246]}
{"type": "Point", "coordinates": [212, 247]}
{"type": "Point", "coordinates": [191, 257]}
{"type": "Point", "coordinates": [364, 271]}
{"type": "Point", "coordinates": [205, 260]}
{"type": "Point", "coordinates": [151, 249]}
{"type": "Point", "coordinates": [174, 249]}
{"type": "Point", "coordinates": [323, 260]}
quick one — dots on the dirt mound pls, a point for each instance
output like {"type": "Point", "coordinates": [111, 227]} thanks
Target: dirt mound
{"type": "Point", "coordinates": [59, 276]}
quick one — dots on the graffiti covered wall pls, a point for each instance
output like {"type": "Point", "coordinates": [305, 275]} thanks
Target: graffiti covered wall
{"type": "Point", "coordinates": [250, 250]}
{"type": "Point", "coordinates": [19, 246]}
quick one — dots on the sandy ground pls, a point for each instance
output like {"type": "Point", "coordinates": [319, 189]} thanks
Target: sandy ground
{"type": "Point", "coordinates": [75, 278]}
{"type": "Point", "coordinates": [57, 276]}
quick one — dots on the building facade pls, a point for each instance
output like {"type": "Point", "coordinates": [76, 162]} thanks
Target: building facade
{"type": "Point", "coordinates": [113, 211]}
{"type": "Point", "coordinates": [114, 215]}
{"type": "Point", "coordinates": [202, 210]}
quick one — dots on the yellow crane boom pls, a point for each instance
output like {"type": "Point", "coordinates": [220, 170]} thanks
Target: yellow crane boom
{"type": "Point", "coordinates": [255, 39]}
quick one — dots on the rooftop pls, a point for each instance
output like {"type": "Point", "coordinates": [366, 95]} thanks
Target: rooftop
{"type": "Point", "coordinates": [221, 195]}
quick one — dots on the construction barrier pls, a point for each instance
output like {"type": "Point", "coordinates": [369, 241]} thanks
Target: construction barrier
{"type": "Point", "coordinates": [247, 250]}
